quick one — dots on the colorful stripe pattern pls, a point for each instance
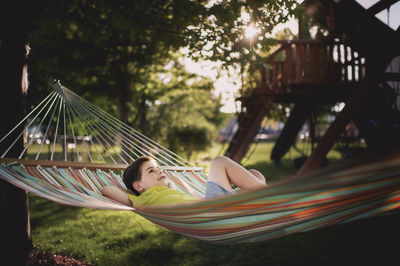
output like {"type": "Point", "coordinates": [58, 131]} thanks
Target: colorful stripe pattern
{"type": "Point", "coordinates": [330, 196]}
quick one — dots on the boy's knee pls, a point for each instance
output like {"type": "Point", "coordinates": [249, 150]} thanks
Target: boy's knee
{"type": "Point", "coordinates": [220, 159]}
{"type": "Point", "coordinates": [257, 174]}
{"type": "Point", "coordinates": [254, 172]}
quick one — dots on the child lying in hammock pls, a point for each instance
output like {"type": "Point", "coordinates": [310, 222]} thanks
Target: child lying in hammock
{"type": "Point", "coordinates": [151, 188]}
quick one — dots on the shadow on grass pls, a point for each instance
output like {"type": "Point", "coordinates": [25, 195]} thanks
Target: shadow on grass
{"type": "Point", "coordinates": [161, 248]}
{"type": "Point", "coordinates": [47, 212]}
{"type": "Point", "coordinates": [370, 241]}
{"type": "Point", "coordinates": [365, 242]}
{"type": "Point", "coordinates": [156, 255]}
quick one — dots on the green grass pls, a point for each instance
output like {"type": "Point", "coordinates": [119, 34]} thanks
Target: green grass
{"type": "Point", "coordinates": [104, 237]}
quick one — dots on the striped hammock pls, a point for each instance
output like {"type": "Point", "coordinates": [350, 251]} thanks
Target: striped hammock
{"type": "Point", "coordinates": [341, 193]}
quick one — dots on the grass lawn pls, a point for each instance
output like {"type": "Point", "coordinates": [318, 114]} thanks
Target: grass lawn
{"type": "Point", "coordinates": [103, 237]}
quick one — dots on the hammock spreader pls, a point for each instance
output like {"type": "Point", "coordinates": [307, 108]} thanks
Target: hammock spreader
{"type": "Point", "coordinates": [329, 196]}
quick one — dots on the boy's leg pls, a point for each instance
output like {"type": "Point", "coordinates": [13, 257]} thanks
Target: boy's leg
{"type": "Point", "coordinates": [257, 174]}
{"type": "Point", "coordinates": [225, 172]}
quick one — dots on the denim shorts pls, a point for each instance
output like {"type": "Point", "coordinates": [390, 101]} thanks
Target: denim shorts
{"type": "Point", "coordinates": [215, 190]}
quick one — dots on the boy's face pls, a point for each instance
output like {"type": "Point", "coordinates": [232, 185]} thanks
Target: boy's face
{"type": "Point", "coordinates": [152, 176]}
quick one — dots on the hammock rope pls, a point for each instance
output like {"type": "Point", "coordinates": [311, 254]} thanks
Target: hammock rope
{"type": "Point", "coordinates": [341, 193]}
{"type": "Point", "coordinates": [110, 124]}
{"type": "Point", "coordinates": [93, 127]}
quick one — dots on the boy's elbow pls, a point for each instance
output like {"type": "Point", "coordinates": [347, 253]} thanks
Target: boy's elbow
{"type": "Point", "coordinates": [106, 191]}
{"type": "Point", "coordinates": [111, 192]}
{"type": "Point", "coordinates": [116, 194]}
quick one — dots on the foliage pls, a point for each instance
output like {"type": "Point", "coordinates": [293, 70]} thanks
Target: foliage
{"type": "Point", "coordinates": [187, 139]}
{"type": "Point", "coordinates": [113, 52]}
{"type": "Point", "coordinates": [98, 45]}
{"type": "Point", "coordinates": [186, 116]}
{"type": "Point", "coordinates": [96, 36]}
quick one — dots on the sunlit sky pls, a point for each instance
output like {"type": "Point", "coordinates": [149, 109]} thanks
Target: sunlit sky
{"type": "Point", "coordinates": [390, 16]}
{"type": "Point", "coordinates": [228, 87]}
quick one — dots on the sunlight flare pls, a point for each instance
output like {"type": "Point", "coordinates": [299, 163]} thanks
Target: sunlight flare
{"type": "Point", "coordinates": [251, 31]}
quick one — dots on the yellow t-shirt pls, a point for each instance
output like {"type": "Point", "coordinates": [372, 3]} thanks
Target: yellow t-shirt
{"type": "Point", "coordinates": [160, 196]}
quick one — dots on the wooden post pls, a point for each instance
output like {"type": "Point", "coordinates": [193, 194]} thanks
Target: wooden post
{"type": "Point", "coordinates": [346, 62]}
{"type": "Point", "coordinates": [248, 129]}
{"type": "Point", "coordinates": [300, 24]}
{"type": "Point", "coordinates": [334, 131]}
{"type": "Point", "coordinates": [15, 19]}
{"type": "Point", "coordinates": [298, 62]}
{"type": "Point", "coordinates": [288, 68]}
{"type": "Point", "coordinates": [324, 62]}
{"type": "Point", "coordinates": [14, 223]}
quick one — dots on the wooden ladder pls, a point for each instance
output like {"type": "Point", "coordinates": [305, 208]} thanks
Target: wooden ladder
{"type": "Point", "coordinates": [249, 124]}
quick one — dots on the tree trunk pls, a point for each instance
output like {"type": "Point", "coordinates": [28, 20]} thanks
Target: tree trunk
{"type": "Point", "coordinates": [124, 96]}
{"type": "Point", "coordinates": [14, 226]}
{"type": "Point", "coordinates": [15, 19]}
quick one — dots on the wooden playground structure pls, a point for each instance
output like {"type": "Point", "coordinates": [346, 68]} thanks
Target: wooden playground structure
{"type": "Point", "coordinates": [350, 65]}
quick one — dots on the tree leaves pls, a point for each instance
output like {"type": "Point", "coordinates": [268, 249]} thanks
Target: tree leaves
{"type": "Point", "coordinates": [118, 48]}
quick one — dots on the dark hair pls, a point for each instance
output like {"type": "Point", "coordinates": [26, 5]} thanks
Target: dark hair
{"type": "Point", "coordinates": [134, 173]}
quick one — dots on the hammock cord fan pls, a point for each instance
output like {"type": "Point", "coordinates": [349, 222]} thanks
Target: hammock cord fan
{"type": "Point", "coordinates": [88, 149]}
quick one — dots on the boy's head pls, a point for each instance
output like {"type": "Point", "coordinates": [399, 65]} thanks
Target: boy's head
{"type": "Point", "coordinates": [134, 173]}
{"type": "Point", "coordinates": [143, 174]}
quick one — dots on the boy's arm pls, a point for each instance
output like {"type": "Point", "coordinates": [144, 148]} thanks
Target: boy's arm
{"type": "Point", "coordinates": [116, 194]}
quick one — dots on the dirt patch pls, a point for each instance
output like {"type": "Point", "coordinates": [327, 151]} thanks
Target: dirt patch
{"type": "Point", "coordinates": [43, 258]}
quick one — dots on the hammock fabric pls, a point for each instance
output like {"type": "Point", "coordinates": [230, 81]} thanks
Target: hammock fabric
{"type": "Point", "coordinates": [342, 193]}
{"type": "Point", "coordinates": [327, 197]}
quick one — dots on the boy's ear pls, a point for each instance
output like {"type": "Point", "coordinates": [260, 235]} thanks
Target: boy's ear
{"type": "Point", "coordinates": [137, 187]}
